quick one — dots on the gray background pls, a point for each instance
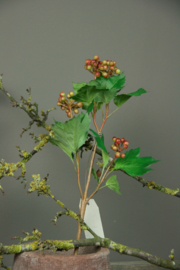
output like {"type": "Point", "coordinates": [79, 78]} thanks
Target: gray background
{"type": "Point", "coordinates": [43, 44]}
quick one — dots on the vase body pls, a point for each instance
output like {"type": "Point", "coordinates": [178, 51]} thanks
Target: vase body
{"type": "Point", "coordinates": [88, 258]}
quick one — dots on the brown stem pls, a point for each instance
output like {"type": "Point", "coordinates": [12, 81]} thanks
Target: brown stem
{"type": "Point", "coordinates": [106, 115]}
{"type": "Point", "coordinates": [94, 117]}
{"type": "Point", "coordinates": [78, 175]}
{"type": "Point", "coordinates": [82, 213]}
{"type": "Point", "coordinates": [90, 169]}
{"type": "Point", "coordinates": [102, 180]}
{"type": "Point", "coordinates": [84, 201]}
{"type": "Point", "coordinates": [70, 111]}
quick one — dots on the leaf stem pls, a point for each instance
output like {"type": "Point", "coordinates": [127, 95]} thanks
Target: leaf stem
{"type": "Point", "coordinates": [113, 112]}
{"type": "Point", "coordinates": [102, 114]}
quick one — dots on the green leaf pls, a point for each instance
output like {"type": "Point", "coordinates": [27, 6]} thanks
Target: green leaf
{"type": "Point", "coordinates": [95, 175]}
{"type": "Point", "coordinates": [62, 145]}
{"type": "Point", "coordinates": [72, 134]}
{"type": "Point", "coordinates": [100, 143]}
{"type": "Point", "coordinates": [105, 96]}
{"type": "Point", "coordinates": [86, 95]}
{"type": "Point", "coordinates": [133, 165]}
{"type": "Point", "coordinates": [99, 105]}
{"type": "Point", "coordinates": [113, 184]}
{"type": "Point", "coordinates": [116, 82]}
{"type": "Point", "coordinates": [78, 86]}
{"type": "Point", "coordinates": [90, 107]}
{"type": "Point", "coordinates": [139, 92]}
{"type": "Point", "coordinates": [105, 159]}
{"type": "Point", "coordinates": [121, 99]}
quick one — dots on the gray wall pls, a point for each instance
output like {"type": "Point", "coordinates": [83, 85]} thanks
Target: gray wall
{"type": "Point", "coordinates": [43, 44]}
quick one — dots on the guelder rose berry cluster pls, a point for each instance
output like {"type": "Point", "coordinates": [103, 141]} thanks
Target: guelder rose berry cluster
{"type": "Point", "coordinates": [118, 146]}
{"type": "Point", "coordinates": [68, 104]}
{"type": "Point", "coordinates": [106, 67]}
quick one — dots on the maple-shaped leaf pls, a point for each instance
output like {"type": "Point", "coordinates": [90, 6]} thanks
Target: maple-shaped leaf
{"type": "Point", "coordinates": [134, 165]}
{"type": "Point", "coordinates": [116, 82]}
{"type": "Point", "coordinates": [105, 95]}
{"type": "Point", "coordinates": [86, 95]}
{"type": "Point", "coordinates": [72, 134]}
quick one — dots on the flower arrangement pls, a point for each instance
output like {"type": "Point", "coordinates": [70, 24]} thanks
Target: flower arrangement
{"type": "Point", "coordinates": [74, 137]}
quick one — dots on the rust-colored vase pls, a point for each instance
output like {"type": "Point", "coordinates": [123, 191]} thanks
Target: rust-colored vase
{"type": "Point", "coordinates": [88, 258]}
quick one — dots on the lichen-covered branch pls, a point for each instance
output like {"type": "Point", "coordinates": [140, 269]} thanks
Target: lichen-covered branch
{"type": "Point", "coordinates": [8, 169]}
{"type": "Point", "coordinates": [153, 185]}
{"type": "Point", "coordinates": [100, 242]}
{"type": "Point", "coordinates": [31, 109]}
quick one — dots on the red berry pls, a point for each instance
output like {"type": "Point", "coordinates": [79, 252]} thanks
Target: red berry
{"type": "Point", "coordinates": [85, 67]}
{"type": "Point", "coordinates": [59, 99]}
{"type": "Point", "coordinates": [63, 98]}
{"type": "Point", "coordinates": [114, 63]}
{"type": "Point", "coordinates": [104, 62]}
{"type": "Point", "coordinates": [105, 67]}
{"type": "Point", "coordinates": [62, 108]}
{"type": "Point", "coordinates": [114, 139]}
{"type": "Point", "coordinates": [99, 62]}
{"type": "Point", "coordinates": [95, 64]}
{"type": "Point", "coordinates": [111, 63]}
{"type": "Point", "coordinates": [125, 146]}
{"type": "Point", "coordinates": [118, 141]}
{"type": "Point", "coordinates": [89, 67]}
{"type": "Point", "coordinates": [68, 114]}
{"type": "Point", "coordinates": [117, 154]}
{"type": "Point", "coordinates": [76, 111]}
{"type": "Point", "coordinates": [118, 71]}
{"type": "Point", "coordinates": [97, 74]}
{"type": "Point", "coordinates": [58, 103]}
{"type": "Point", "coordinates": [101, 67]}
{"type": "Point", "coordinates": [62, 94]}
{"type": "Point", "coordinates": [68, 95]}
{"type": "Point", "coordinates": [126, 142]}
{"type": "Point", "coordinates": [67, 110]}
{"type": "Point", "coordinates": [105, 74]}
{"type": "Point", "coordinates": [79, 104]}
{"type": "Point", "coordinates": [111, 68]}
{"type": "Point", "coordinates": [96, 57]}
{"type": "Point", "coordinates": [122, 155]}
{"type": "Point", "coordinates": [88, 61]}
{"type": "Point", "coordinates": [122, 140]}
